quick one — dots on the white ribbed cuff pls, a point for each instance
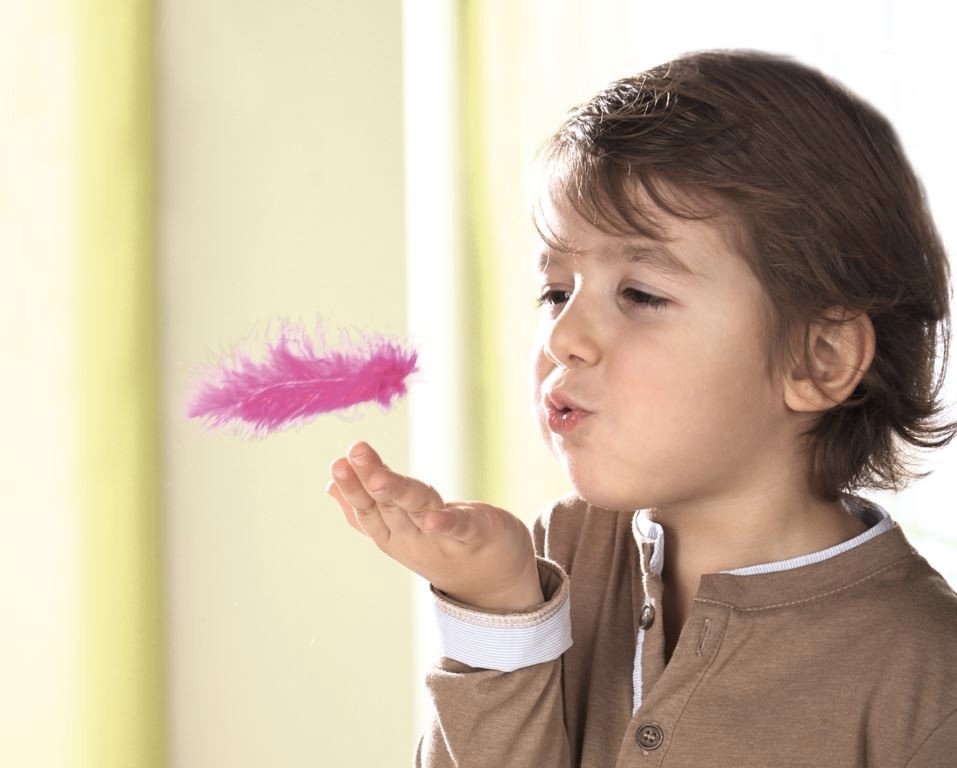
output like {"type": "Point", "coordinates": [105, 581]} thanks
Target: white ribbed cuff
{"type": "Point", "coordinates": [508, 641]}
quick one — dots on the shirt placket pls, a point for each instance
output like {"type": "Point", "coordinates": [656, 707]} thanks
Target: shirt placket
{"type": "Point", "coordinates": [662, 691]}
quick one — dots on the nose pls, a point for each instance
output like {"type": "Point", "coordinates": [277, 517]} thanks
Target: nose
{"type": "Point", "coordinates": [571, 338]}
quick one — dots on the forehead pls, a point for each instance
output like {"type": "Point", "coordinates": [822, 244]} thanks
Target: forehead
{"type": "Point", "coordinates": [681, 247]}
{"type": "Point", "coordinates": [618, 249]}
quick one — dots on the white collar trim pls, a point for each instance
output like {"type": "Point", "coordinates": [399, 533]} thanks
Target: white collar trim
{"type": "Point", "coordinates": [647, 531]}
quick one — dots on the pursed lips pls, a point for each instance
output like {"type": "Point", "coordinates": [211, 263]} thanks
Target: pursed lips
{"type": "Point", "coordinates": [562, 413]}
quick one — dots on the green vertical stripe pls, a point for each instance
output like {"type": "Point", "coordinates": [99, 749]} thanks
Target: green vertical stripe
{"type": "Point", "coordinates": [485, 375]}
{"type": "Point", "coordinates": [122, 679]}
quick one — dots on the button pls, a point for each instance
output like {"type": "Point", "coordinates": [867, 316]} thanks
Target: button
{"type": "Point", "coordinates": [649, 736]}
{"type": "Point", "coordinates": [647, 617]}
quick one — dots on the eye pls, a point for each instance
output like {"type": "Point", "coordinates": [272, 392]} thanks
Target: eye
{"type": "Point", "coordinates": [553, 297]}
{"type": "Point", "coordinates": [643, 298]}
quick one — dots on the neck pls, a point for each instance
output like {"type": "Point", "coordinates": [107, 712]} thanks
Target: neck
{"type": "Point", "coordinates": [738, 532]}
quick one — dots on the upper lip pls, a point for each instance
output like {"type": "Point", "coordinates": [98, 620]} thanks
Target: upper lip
{"type": "Point", "coordinates": [559, 400]}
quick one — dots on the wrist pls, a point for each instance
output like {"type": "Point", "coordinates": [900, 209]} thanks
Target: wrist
{"type": "Point", "coordinates": [522, 595]}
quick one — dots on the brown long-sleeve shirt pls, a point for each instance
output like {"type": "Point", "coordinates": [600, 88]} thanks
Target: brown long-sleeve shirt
{"type": "Point", "coordinates": [847, 662]}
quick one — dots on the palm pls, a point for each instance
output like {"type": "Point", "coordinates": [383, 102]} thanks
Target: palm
{"type": "Point", "coordinates": [476, 553]}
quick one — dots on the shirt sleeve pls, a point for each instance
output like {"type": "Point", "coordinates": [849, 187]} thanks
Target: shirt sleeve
{"type": "Point", "coordinates": [495, 704]}
{"type": "Point", "coordinates": [506, 642]}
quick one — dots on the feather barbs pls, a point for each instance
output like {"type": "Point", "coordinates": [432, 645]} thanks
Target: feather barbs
{"type": "Point", "coordinates": [297, 379]}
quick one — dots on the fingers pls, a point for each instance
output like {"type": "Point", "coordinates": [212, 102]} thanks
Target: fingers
{"type": "Point", "coordinates": [348, 512]}
{"type": "Point", "coordinates": [404, 501]}
{"type": "Point", "coordinates": [461, 522]}
{"type": "Point", "coordinates": [378, 501]}
{"type": "Point", "coordinates": [363, 459]}
{"type": "Point", "coordinates": [477, 552]}
{"type": "Point", "coordinates": [383, 487]}
{"type": "Point", "coordinates": [360, 509]}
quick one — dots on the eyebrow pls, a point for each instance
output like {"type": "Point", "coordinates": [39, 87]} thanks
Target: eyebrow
{"type": "Point", "coordinates": [657, 255]}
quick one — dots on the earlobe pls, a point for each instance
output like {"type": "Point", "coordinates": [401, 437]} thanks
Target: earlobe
{"type": "Point", "coordinates": [827, 368]}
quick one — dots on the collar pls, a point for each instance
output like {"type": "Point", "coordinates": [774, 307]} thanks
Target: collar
{"type": "Point", "coordinates": [650, 538]}
{"type": "Point", "coordinates": [797, 580]}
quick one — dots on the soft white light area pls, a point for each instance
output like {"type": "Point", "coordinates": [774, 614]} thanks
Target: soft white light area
{"type": "Point", "coordinates": [37, 502]}
{"type": "Point", "coordinates": [434, 246]}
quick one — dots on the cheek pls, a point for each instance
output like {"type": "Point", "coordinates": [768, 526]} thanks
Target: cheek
{"type": "Point", "coordinates": [539, 367]}
{"type": "Point", "coordinates": [537, 370]}
{"type": "Point", "coordinates": [727, 385]}
{"type": "Point", "coordinates": [695, 377]}
{"type": "Point", "coordinates": [656, 368]}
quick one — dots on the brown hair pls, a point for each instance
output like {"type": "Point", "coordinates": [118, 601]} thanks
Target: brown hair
{"type": "Point", "coordinates": [828, 214]}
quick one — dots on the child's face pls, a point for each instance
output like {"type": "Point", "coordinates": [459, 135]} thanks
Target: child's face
{"type": "Point", "coordinates": [651, 366]}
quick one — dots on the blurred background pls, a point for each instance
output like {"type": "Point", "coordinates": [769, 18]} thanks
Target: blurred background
{"type": "Point", "coordinates": [175, 174]}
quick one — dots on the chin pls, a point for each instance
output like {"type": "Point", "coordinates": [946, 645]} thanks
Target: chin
{"type": "Point", "coordinates": [592, 482]}
{"type": "Point", "coordinates": [597, 497]}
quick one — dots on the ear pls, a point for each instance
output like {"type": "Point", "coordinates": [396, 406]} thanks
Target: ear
{"type": "Point", "coordinates": [825, 372]}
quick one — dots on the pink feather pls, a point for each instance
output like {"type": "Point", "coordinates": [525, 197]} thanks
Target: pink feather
{"type": "Point", "coordinates": [293, 383]}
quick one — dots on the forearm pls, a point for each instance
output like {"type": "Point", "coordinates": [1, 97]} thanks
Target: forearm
{"type": "Point", "coordinates": [489, 718]}
{"type": "Point", "coordinates": [497, 692]}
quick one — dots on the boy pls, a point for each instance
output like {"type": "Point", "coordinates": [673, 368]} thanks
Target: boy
{"type": "Point", "coordinates": [742, 299]}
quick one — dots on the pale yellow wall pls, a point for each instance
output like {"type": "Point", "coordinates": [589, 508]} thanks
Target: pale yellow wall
{"type": "Point", "coordinates": [282, 195]}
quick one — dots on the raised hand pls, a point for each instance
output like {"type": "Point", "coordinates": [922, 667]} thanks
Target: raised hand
{"type": "Point", "coordinates": [477, 554]}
